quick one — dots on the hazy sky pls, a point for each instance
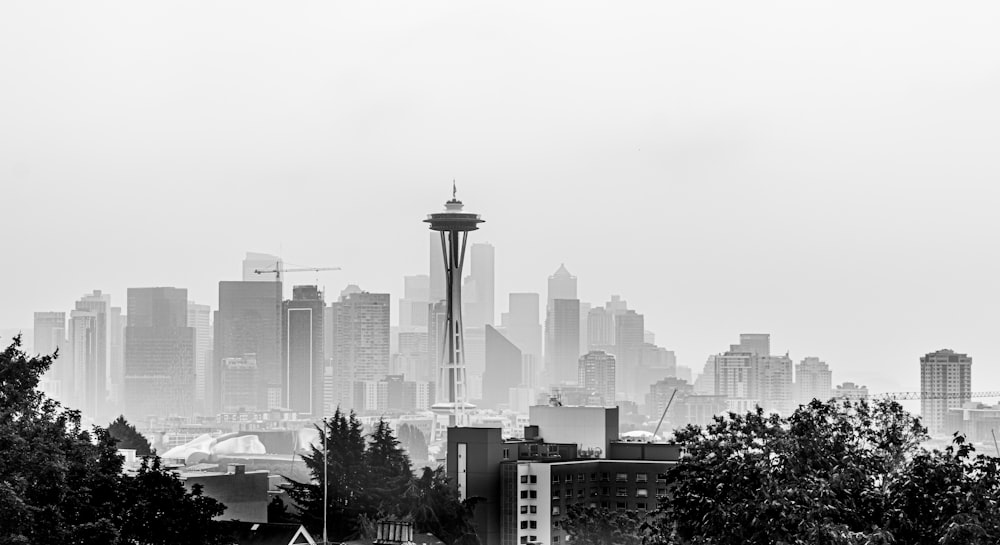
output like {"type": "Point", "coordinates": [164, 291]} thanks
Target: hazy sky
{"type": "Point", "coordinates": [825, 172]}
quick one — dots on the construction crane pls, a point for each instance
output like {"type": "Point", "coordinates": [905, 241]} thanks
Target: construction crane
{"type": "Point", "coordinates": [279, 269]}
{"type": "Point", "coordinates": [910, 396]}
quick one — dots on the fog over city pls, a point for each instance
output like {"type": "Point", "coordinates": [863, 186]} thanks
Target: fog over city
{"type": "Point", "coordinates": [823, 173]}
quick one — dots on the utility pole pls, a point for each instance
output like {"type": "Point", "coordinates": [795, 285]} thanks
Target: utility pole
{"type": "Point", "coordinates": [326, 486]}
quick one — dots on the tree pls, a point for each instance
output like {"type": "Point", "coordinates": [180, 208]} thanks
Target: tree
{"type": "Point", "coordinates": [387, 472]}
{"type": "Point", "coordinates": [128, 437]}
{"type": "Point", "coordinates": [433, 505]}
{"type": "Point", "coordinates": [599, 526]}
{"type": "Point", "coordinates": [414, 442]}
{"type": "Point", "coordinates": [831, 473]}
{"type": "Point", "coordinates": [60, 483]}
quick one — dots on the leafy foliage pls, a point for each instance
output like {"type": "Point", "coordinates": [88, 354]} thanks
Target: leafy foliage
{"type": "Point", "coordinates": [62, 484]}
{"type": "Point", "coordinates": [128, 437]}
{"type": "Point", "coordinates": [599, 526]}
{"type": "Point", "coordinates": [414, 442]}
{"type": "Point", "coordinates": [369, 479]}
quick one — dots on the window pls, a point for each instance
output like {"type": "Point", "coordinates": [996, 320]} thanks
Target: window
{"type": "Point", "coordinates": [605, 477]}
{"type": "Point", "coordinates": [568, 493]}
{"type": "Point", "coordinates": [661, 477]}
{"type": "Point", "coordinates": [593, 477]}
{"type": "Point", "coordinates": [524, 524]}
{"type": "Point", "coordinates": [622, 492]}
{"type": "Point", "coordinates": [524, 480]}
{"type": "Point", "coordinates": [506, 453]}
{"type": "Point", "coordinates": [524, 494]}
{"type": "Point", "coordinates": [580, 477]}
{"type": "Point", "coordinates": [641, 493]}
{"type": "Point", "coordinates": [621, 477]}
{"type": "Point", "coordinates": [555, 478]}
{"type": "Point", "coordinates": [533, 509]}
{"type": "Point", "coordinates": [640, 477]}
{"type": "Point", "coordinates": [605, 491]}
{"type": "Point", "coordinates": [661, 492]}
{"type": "Point", "coordinates": [555, 510]}
{"type": "Point", "coordinates": [533, 538]}
{"type": "Point", "coordinates": [622, 506]}
{"type": "Point", "coordinates": [593, 504]}
{"type": "Point", "coordinates": [524, 539]}
{"type": "Point", "coordinates": [555, 495]}
{"type": "Point", "coordinates": [641, 506]}
{"type": "Point", "coordinates": [581, 493]}
{"type": "Point", "coordinates": [604, 505]}
{"type": "Point", "coordinates": [532, 479]}
{"type": "Point", "coordinates": [533, 525]}
{"type": "Point", "coordinates": [532, 494]}
{"type": "Point", "coordinates": [594, 492]}
{"type": "Point", "coordinates": [569, 477]}
{"type": "Point", "coordinates": [524, 509]}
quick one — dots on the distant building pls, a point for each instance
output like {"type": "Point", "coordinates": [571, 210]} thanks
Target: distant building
{"type": "Point", "coordinates": [199, 318]}
{"type": "Point", "coordinates": [813, 380]}
{"type": "Point", "coordinates": [503, 369]}
{"type": "Point", "coordinates": [849, 390]}
{"type": "Point", "coordinates": [79, 382]}
{"type": "Point", "coordinates": [159, 354]}
{"type": "Point", "coordinates": [596, 373]}
{"type": "Point", "coordinates": [736, 379]}
{"type": "Point", "coordinates": [774, 384]}
{"type": "Point", "coordinates": [562, 340]}
{"type": "Point", "coordinates": [438, 289]}
{"type": "Point", "coordinates": [945, 383]}
{"type": "Point", "coordinates": [413, 305]}
{"type": "Point", "coordinates": [361, 343]}
{"type": "Point", "coordinates": [263, 262]}
{"type": "Point", "coordinates": [630, 331]}
{"type": "Point", "coordinates": [521, 324]}
{"type": "Point", "coordinates": [244, 493]}
{"type": "Point", "coordinates": [755, 343]}
{"type": "Point", "coordinates": [303, 359]}
{"type": "Point", "coordinates": [95, 404]}
{"type": "Point", "coordinates": [600, 329]}
{"type": "Point", "coordinates": [238, 384]}
{"type": "Point", "coordinates": [49, 337]}
{"type": "Point", "coordinates": [479, 289]}
{"type": "Point", "coordinates": [248, 322]}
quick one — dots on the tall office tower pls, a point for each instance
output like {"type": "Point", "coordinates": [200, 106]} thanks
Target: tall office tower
{"type": "Point", "coordinates": [503, 368]}
{"type": "Point", "coordinates": [596, 372]}
{"type": "Point", "coordinates": [601, 329]}
{"type": "Point", "coordinates": [263, 262]}
{"type": "Point", "coordinates": [736, 379]}
{"type": "Point", "coordinates": [584, 328]}
{"type": "Point", "coordinates": [97, 389]}
{"type": "Point", "coordinates": [79, 381]}
{"type": "Point", "coordinates": [521, 324]}
{"type": "Point", "coordinates": [704, 384]}
{"type": "Point", "coordinates": [454, 226]}
{"type": "Point", "coordinates": [479, 293]}
{"type": "Point", "coordinates": [413, 305]}
{"type": "Point", "coordinates": [755, 343]}
{"type": "Point", "coordinates": [361, 343]}
{"type": "Point", "coordinates": [50, 336]}
{"type": "Point", "coordinates": [238, 384]}
{"type": "Point", "coordinates": [437, 286]}
{"type": "Point", "coordinates": [774, 384]}
{"type": "Point", "coordinates": [630, 329]}
{"type": "Point", "coordinates": [199, 318]}
{"type": "Point", "coordinates": [562, 341]}
{"type": "Point", "coordinates": [562, 285]}
{"type": "Point", "coordinates": [248, 324]}
{"type": "Point", "coordinates": [474, 341]}
{"type": "Point", "coordinates": [813, 380]}
{"type": "Point", "coordinates": [116, 359]}
{"type": "Point", "coordinates": [159, 354]}
{"type": "Point", "coordinates": [945, 383]}
{"type": "Point", "coordinates": [302, 355]}
{"type": "Point", "coordinates": [414, 356]}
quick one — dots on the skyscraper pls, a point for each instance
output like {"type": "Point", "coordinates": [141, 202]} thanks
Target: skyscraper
{"type": "Point", "coordinates": [600, 329]}
{"type": "Point", "coordinates": [248, 323]}
{"type": "Point", "coordinates": [736, 379]}
{"type": "Point", "coordinates": [159, 354]}
{"type": "Point", "coordinates": [755, 343]}
{"type": "Point", "coordinates": [813, 380]}
{"type": "Point", "coordinates": [97, 386]}
{"type": "Point", "coordinates": [521, 324]}
{"type": "Point", "coordinates": [562, 285]}
{"type": "Point", "coordinates": [437, 286]}
{"type": "Point", "coordinates": [79, 383]}
{"type": "Point", "coordinates": [596, 372]}
{"type": "Point", "coordinates": [413, 305]}
{"type": "Point", "coordinates": [562, 340]}
{"type": "Point", "coordinates": [945, 383]}
{"type": "Point", "coordinates": [264, 262]}
{"type": "Point", "coordinates": [116, 359]}
{"type": "Point", "coordinates": [199, 318]}
{"type": "Point", "coordinates": [503, 368]}
{"type": "Point", "coordinates": [302, 355]}
{"type": "Point", "coordinates": [774, 384]}
{"type": "Point", "coordinates": [630, 330]}
{"type": "Point", "coordinates": [361, 343]}
{"type": "Point", "coordinates": [50, 336]}
{"type": "Point", "coordinates": [479, 295]}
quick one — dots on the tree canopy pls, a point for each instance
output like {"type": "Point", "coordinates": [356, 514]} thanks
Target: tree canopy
{"type": "Point", "coordinates": [834, 473]}
{"type": "Point", "coordinates": [60, 483]}
{"type": "Point", "coordinates": [128, 437]}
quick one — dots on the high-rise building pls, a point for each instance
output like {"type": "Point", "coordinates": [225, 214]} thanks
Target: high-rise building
{"type": "Point", "coordinates": [630, 330]}
{"type": "Point", "coordinates": [238, 384]}
{"type": "Point", "coordinates": [478, 296]}
{"type": "Point", "coordinates": [851, 391]}
{"type": "Point", "coordinates": [596, 373]}
{"type": "Point", "coordinates": [262, 262]}
{"type": "Point", "coordinates": [79, 383]}
{"type": "Point", "coordinates": [361, 343]}
{"type": "Point", "coordinates": [199, 318]}
{"type": "Point", "coordinates": [945, 383]}
{"type": "Point", "coordinates": [97, 385]}
{"type": "Point", "coordinates": [562, 340]}
{"type": "Point", "coordinates": [755, 343]}
{"type": "Point", "coordinates": [413, 305]}
{"type": "Point", "coordinates": [248, 324]}
{"type": "Point", "coordinates": [414, 356]}
{"type": "Point", "coordinates": [437, 286]}
{"type": "Point", "coordinates": [49, 337]}
{"type": "Point", "coordinates": [503, 368]}
{"type": "Point", "coordinates": [116, 359]}
{"type": "Point", "coordinates": [562, 285]}
{"type": "Point", "coordinates": [601, 329]}
{"type": "Point", "coordinates": [813, 380]}
{"type": "Point", "coordinates": [736, 379]}
{"type": "Point", "coordinates": [774, 384]}
{"type": "Point", "coordinates": [521, 325]}
{"type": "Point", "coordinates": [302, 355]}
{"type": "Point", "coordinates": [159, 354]}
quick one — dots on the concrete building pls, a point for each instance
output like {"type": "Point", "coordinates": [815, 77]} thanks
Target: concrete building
{"type": "Point", "coordinates": [945, 383]}
{"type": "Point", "coordinates": [159, 354]}
{"type": "Point", "coordinates": [49, 334]}
{"type": "Point", "coordinates": [977, 421]}
{"type": "Point", "coordinates": [562, 340]}
{"type": "Point", "coordinates": [774, 384]}
{"type": "Point", "coordinates": [590, 428]}
{"type": "Point", "coordinates": [478, 293]}
{"type": "Point", "coordinates": [303, 359]}
{"type": "Point", "coordinates": [413, 305]}
{"type": "Point", "coordinates": [99, 304]}
{"type": "Point", "coordinates": [813, 380]}
{"type": "Point", "coordinates": [600, 330]}
{"type": "Point", "coordinates": [596, 373]}
{"type": "Point", "coordinates": [199, 318]}
{"type": "Point", "coordinates": [244, 493]}
{"type": "Point", "coordinates": [503, 369]}
{"type": "Point", "coordinates": [754, 343]}
{"type": "Point", "coordinates": [248, 322]}
{"type": "Point", "coordinates": [630, 330]}
{"type": "Point", "coordinates": [736, 379]}
{"type": "Point", "coordinates": [238, 384]}
{"type": "Point", "coordinates": [361, 342]}
{"type": "Point", "coordinates": [852, 391]}
{"type": "Point", "coordinates": [79, 382]}
{"type": "Point", "coordinates": [521, 324]}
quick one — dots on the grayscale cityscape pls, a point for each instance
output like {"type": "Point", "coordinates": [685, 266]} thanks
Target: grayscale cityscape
{"type": "Point", "coordinates": [440, 273]}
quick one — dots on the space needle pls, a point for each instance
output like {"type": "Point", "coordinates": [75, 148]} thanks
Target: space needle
{"type": "Point", "coordinates": [454, 225]}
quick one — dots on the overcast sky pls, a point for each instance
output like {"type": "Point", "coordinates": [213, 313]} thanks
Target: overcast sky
{"type": "Point", "coordinates": [824, 172]}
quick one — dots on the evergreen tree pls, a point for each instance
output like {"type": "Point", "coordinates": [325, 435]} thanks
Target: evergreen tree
{"type": "Point", "coordinates": [387, 472]}
{"type": "Point", "coordinates": [128, 437]}
{"type": "Point", "coordinates": [414, 442]}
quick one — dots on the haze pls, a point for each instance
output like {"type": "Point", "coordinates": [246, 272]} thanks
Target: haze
{"type": "Point", "coordinates": [826, 173]}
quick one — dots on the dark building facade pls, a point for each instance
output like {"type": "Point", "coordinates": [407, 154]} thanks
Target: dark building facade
{"type": "Point", "coordinates": [303, 350]}
{"type": "Point", "coordinates": [562, 340]}
{"type": "Point", "coordinates": [247, 323]}
{"type": "Point", "coordinates": [159, 354]}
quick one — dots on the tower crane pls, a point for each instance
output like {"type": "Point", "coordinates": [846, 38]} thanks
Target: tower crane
{"type": "Point", "coordinates": [279, 268]}
{"type": "Point", "coordinates": [910, 396]}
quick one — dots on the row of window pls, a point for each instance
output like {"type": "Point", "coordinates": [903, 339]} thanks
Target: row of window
{"type": "Point", "coordinates": [620, 506]}
{"type": "Point", "coordinates": [620, 491]}
{"type": "Point", "coordinates": [605, 477]}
